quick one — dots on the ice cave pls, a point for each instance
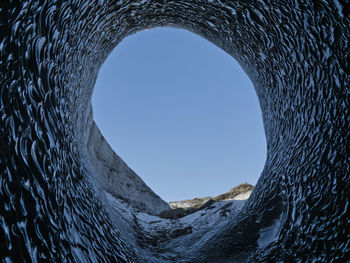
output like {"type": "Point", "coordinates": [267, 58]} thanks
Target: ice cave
{"type": "Point", "coordinates": [66, 196]}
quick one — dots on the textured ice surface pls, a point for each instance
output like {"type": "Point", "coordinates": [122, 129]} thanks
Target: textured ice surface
{"type": "Point", "coordinates": [117, 178]}
{"type": "Point", "coordinates": [296, 53]}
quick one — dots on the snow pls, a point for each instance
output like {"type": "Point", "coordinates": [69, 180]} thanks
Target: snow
{"type": "Point", "coordinates": [242, 196]}
{"type": "Point", "coordinates": [176, 237]}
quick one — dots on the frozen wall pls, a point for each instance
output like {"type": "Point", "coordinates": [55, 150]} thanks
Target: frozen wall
{"type": "Point", "coordinates": [296, 54]}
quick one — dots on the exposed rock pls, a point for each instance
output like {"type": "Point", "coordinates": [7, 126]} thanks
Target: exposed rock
{"type": "Point", "coordinates": [207, 205]}
{"type": "Point", "coordinates": [236, 192]}
{"type": "Point", "coordinates": [240, 192]}
{"type": "Point", "coordinates": [187, 207]}
{"type": "Point", "coordinates": [194, 203]}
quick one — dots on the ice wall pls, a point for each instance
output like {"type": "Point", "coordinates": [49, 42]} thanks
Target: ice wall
{"type": "Point", "coordinates": [297, 54]}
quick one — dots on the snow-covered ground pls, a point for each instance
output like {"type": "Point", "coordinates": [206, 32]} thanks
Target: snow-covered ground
{"type": "Point", "coordinates": [243, 196]}
{"type": "Point", "coordinates": [169, 240]}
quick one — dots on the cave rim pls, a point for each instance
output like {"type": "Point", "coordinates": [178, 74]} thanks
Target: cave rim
{"type": "Point", "coordinates": [287, 168]}
{"type": "Point", "coordinates": [251, 70]}
{"type": "Point", "coordinates": [213, 47]}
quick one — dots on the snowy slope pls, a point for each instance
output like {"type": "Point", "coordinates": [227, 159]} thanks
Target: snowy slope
{"type": "Point", "coordinates": [170, 240]}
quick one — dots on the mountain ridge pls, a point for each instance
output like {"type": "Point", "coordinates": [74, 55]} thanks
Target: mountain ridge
{"type": "Point", "coordinates": [236, 193]}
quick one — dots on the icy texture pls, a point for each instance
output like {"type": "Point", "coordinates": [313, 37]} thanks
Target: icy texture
{"type": "Point", "coordinates": [117, 178]}
{"type": "Point", "coordinates": [297, 54]}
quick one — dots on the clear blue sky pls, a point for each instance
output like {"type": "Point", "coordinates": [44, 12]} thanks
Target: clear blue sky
{"type": "Point", "coordinates": [181, 112]}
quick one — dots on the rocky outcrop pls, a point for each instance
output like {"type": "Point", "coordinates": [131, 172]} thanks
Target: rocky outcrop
{"type": "Point", "coordinates": [240, 192]}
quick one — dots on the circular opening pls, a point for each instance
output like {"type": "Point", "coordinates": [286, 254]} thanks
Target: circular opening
{"type": "Point", "coordinates": [181, 113]}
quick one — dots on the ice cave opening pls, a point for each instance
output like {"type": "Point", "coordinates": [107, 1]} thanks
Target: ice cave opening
{"type": "Point", "coordinates": [181, 113]}
{"type": "Point", "coordinates": [66, 196]}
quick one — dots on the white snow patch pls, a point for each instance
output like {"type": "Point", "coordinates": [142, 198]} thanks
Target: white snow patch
{"type": "Point", "coordinates": [242, 196]}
